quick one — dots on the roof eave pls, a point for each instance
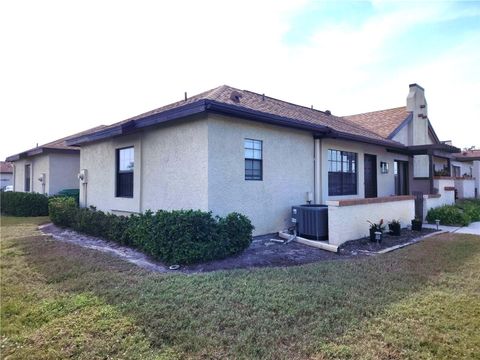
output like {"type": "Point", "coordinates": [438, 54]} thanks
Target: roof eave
{"type": "Point", "coordinates": [206, 105]}
{"type": "Point", "coordinates": [249, 114]}
{"type": "Point", "coordinates": [38, 151]}
{"type": "Point", "coordinates": [367, 140]}
{"type": "Point", "coordinates": [466, 158]}
{"type": "Point", "coordinates": [150, 120]}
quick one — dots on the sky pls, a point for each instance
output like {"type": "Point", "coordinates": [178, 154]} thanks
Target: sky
{"type": "Point", "coordinates": [67, 66]}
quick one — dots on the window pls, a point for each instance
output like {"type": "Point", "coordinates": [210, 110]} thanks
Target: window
{"type": "Point", "coordinates": [342, 173]}
{"type": "Point", "coordinates": [253, 159]}
{"type": "Point", "coordinates": [27, 178]}
{"type": "Point", "coordinates": [456, 171]}
{"type": "Point", "coordinates": [125, 164]}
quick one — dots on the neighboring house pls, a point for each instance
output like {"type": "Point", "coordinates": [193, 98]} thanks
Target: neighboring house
{"type": "Point", "coordinates": [466, 168]}
{"type": "Point", "coordinates": [234, 150]}
{"type": "Point", "coordinates": [6, 174]}
{"type": "Point", "coordinates": [49, 168]}
{"type": "Point", "coordinates": [411, 126]}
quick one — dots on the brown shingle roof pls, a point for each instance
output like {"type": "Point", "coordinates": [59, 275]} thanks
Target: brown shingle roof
{"type": "Point", "coordinates": [56, 144]}
{"type": "Point", "coordinates": [6, 167]}
{"type": "Point", "coordinates": [382, 122]}
{"type": "Point", "coordinates": [257, 102]}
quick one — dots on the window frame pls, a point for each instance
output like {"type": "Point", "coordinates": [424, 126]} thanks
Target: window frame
{"type": "Point", "coordinates": [27, 175]}
{"type": "Point", "coordinates": [342, 167]}
{"type": "Point", "coordinates": [119, 174]}
{"type": "Point", "coordinates": [252, 177]}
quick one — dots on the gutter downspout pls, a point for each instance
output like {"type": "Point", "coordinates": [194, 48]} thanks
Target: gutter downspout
{"type": "Point", "coordinates": [317, 171]}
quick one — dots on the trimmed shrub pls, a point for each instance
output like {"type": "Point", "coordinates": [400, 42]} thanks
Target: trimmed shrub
{"type": "Point", "coordinates": [75, 193]}
{"type": "Point", "coordinates": [471, 207]}
{"type": "Point", "coordinates": [23, 204]}
{"type": "Point", "coordinates": [448, 215]}
{"type": "Point", "coordinates": [63, 211]}
{"type": "Point", "coordinates": [237, 230]}
{"type": "Point", "coordinates": [174, 237]}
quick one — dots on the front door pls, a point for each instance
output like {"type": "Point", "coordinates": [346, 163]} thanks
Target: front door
{"type": "Point", "coordinates": [370, 171]}
{"type": "Point", "coordinates": [400, 171]}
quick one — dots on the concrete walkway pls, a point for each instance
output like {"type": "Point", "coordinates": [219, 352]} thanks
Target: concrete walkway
{"type": "Point", "coordinates": [473, 228]}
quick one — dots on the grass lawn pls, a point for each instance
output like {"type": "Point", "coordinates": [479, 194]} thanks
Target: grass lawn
{"type": "Point", "coordinates": [59, 300]}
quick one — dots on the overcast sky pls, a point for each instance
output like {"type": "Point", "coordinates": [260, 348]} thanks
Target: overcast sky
{"type": "Point", "coordinates": [67, 66]}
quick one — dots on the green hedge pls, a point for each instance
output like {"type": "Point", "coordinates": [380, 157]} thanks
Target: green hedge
{"type": "Point", "coordinates": [174, 237]}
{"type": "Point", "coordinates": [23, 204]}
{"type": "Point", "coordinates": [471, 207]}
{"type": "Point", "coordinates": [448, 215]}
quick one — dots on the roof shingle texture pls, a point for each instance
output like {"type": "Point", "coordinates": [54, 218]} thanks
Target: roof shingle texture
{"type": "Point", "coordinates": [60, 143]}
{"type": "Point", "coordinates": [6, 167]}
{"type": "Point", "coordinates": [258, 102]}
{"type": "Point", "coordinates": [383, 122]}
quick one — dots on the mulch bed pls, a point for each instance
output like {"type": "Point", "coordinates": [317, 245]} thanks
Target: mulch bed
{"type": "Point", "coordinates": [365, 245]}
{"type": "Point", "coordinates": [261, 253]}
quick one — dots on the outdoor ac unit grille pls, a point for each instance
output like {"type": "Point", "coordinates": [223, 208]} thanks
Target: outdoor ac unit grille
{"type": "Point", "coordinates": [311, 221]}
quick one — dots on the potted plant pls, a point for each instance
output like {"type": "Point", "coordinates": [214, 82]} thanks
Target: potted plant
{"type": "Point", "coordinates": [374, 227]}
{"type": "Point", "coordinates": [417, 224]}
{"type": "Point", "coordinates": [395, 227]}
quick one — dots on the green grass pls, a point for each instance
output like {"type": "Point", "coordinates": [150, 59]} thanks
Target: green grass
{"type": "Point", "coordinates": [60, 300]}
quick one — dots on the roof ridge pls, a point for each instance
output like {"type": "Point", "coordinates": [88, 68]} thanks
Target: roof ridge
{"type": "Point", "coordinates": [290, 103]}
{"type": "Point", "coordinates": [376, 111]}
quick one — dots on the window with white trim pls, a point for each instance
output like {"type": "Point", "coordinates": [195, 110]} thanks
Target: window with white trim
{"type": "Point", "coordinates": [253, 159]}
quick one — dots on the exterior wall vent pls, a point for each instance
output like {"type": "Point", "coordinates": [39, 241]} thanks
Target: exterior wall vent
{"type": "Point", "coordinates": [235, 96]}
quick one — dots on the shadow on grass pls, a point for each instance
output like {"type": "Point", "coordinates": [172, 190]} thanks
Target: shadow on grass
{"type": "Point", "coordinates": [261, 313]}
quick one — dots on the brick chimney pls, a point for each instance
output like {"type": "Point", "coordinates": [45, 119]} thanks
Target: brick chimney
{"type": "Point", "coordinates": [417, 104]}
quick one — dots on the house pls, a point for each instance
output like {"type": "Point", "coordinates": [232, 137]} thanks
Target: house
{"type": "Point", "coordinates": [466, 171]}
{"type": "Point", "coordinates": [6, 174]}
{"type": "Point", "coordinates": [230, 150]}
{"type": "Point", "coordinates": [49, 168]}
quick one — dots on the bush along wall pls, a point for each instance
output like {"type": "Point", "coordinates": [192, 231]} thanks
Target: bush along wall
{"type": "Point", "coordinates": [23, 204]}
{"type": "Point", "coordinates": [173, 237]}
{"type": "Point", "coordinates": [448, 215]}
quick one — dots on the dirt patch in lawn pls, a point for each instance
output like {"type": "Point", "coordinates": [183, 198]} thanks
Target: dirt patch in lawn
{"type": "Point", "coordinates": [364, 245]}
{"type": "Point", "coordinates": [263, 252]}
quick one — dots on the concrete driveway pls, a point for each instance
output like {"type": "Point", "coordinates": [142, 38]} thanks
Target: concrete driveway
{"type": "Point", "coordinates": [473, 228]}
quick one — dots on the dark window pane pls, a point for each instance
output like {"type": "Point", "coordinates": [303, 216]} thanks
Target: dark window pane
{"type": "Point", "coordinates": [125, 167]}
{"type": "Point", "coordinates": [27, 178]}
{"type": "Point", "coordinates": [342, 172]}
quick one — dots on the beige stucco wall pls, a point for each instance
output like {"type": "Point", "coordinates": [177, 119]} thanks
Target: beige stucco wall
{"type": "Point", "coordinates": [287, 171]}
{"type": "Point", "coordinates": [18, 175]}
{"type": "Point", "coordinates": [465, 188]}
{"type": "Point", "coordinates": [447, 195]}
{"type": "Point", "coordinates": [351, 222]}
{"type": "Point", "coordinates": [64, 169]}
{"type": "Point", "coordinates": [421, 164]}
{"type": "Point", "coordinates": [175, 166]}
{"type": "Point", "coordinates": [38, 164]}
{"type": "Point", "coordinates": [171, 168]}
{"type": "Point", "coordinates": [403, 136]}
{"type": "Point", "coordinates": [60, 172]}
{"type": "Point", "coordinates": [385, 182]}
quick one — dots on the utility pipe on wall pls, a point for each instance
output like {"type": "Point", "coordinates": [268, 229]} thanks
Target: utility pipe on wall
{"type": "Point", "coordinates": [317, 171]}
